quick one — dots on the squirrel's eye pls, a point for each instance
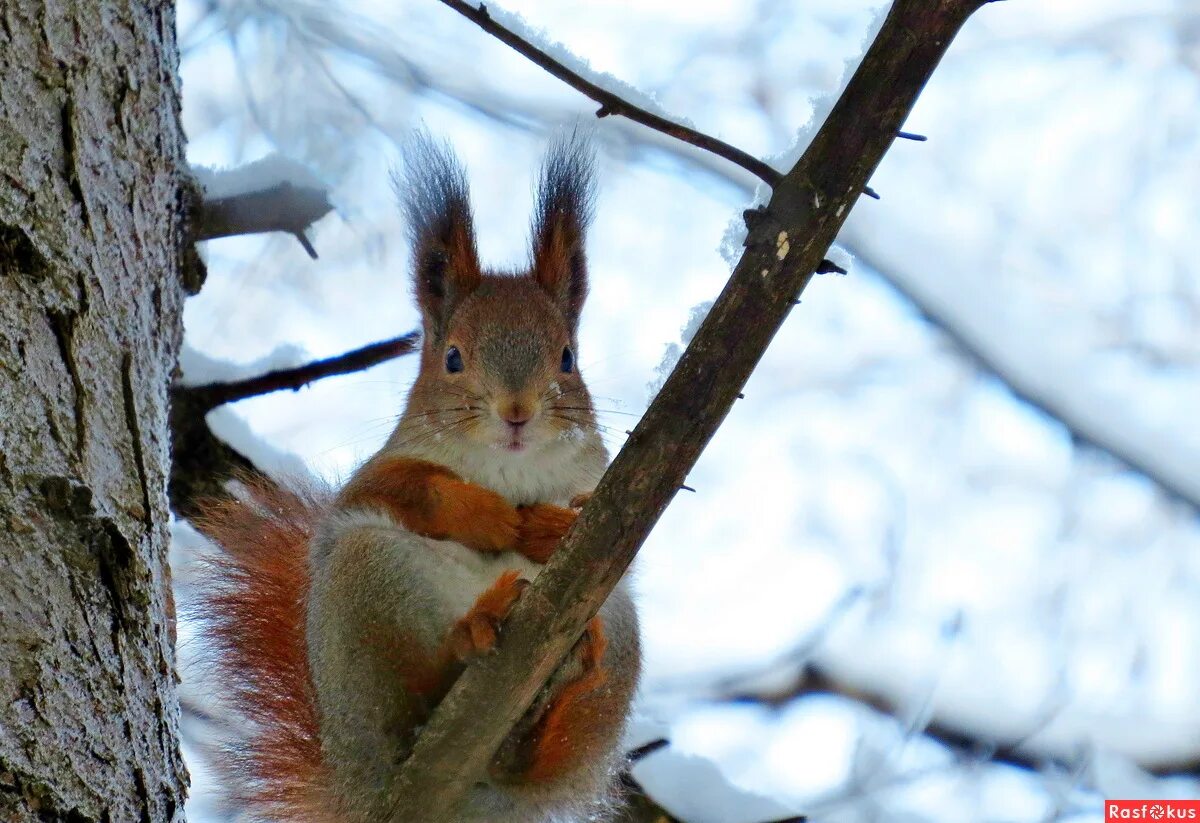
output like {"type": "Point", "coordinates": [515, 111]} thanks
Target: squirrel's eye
{"type": "Point", "coordinates": [454, 363]}
{"type": "Point", "coordinates": [568, 360]}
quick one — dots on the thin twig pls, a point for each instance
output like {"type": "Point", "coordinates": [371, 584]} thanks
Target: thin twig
{"type": "Point", "coordinates": [211, 395]}
{"type": "Point", "coordinates": [807, 208]}
{"type": "Point", "coordinates": [647, 749]}
{"type": "Point", "coordinates": [201, 462]}
{"type": "Point", "coordinates": [610, 103]}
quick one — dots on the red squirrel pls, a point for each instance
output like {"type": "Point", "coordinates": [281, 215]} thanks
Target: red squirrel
{"type": "Point", "coordinates": [340, 618]}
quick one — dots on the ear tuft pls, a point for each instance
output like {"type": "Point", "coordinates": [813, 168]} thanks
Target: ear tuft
{"type": "Point", "coordinates": [565, 201]}
{"type": "Point", "coordinates": [433, 193]}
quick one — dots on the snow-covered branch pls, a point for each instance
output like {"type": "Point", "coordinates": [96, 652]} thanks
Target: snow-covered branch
{"type": "Point", "coordinates": [272, 194]}
{"type": "Point", "coordinates": [1039, 375]}
{"type": "Point", "coordinates": [614, 97]}
{"type": "Point", "coordinates": [202, 461]}
{"type": "Point", "coordinates": [210, 395]}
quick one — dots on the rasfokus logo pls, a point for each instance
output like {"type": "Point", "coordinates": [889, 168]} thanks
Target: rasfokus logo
{"type": "Point", "coordinates": [1151, 810]}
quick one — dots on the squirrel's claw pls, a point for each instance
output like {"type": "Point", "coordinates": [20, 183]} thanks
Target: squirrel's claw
{"type": "Point", "coordinates": [478, 631]}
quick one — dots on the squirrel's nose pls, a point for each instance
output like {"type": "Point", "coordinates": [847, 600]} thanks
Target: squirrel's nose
{"type": "Point", "coordinates": [516, 415]}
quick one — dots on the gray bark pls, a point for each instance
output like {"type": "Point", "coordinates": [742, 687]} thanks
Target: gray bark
{"type": "Point", "coordinates": [91, 233]}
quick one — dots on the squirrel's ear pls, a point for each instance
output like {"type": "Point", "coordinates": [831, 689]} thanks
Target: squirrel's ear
{"type": "Point", "coordinates": [565, 197]}
{"type": "Point", "coordinates": [441, 229]}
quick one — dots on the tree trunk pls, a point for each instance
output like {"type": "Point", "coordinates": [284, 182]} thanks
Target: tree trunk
{"type": "Point", "coordinates": [91, 230]}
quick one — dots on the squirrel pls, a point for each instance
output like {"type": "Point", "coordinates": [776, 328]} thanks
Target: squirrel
{"type": "Point", "coordinates": [339, 618]}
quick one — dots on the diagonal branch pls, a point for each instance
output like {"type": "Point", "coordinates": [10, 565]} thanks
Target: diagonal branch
{"type": "Point", "coordinates": [985, 337]}
{"type": "Point", "coordinates": [610, 103]}
{"type": "Point", "coordinates": [784, 247]}
{"type": "Point", "coordinates": [1080, 412]}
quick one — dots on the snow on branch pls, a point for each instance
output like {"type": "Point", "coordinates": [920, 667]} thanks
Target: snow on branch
{"type": "Point", "coordinates": [981, 335]}
{"type": "Point", "coordinates": [813, 680]}
{"type": "Point", "coordinates": [202, 461]}
{"type": "Point", "coordinates": [1039, 375]}
{"type": "Point", "coordinates": [271, 194]}
{"type": "Point", "coordinates": [211, 395]}
{"type": "Point", "coordinates": [504, 27]}
{"type": "Point", "coordinates": [784, 247]}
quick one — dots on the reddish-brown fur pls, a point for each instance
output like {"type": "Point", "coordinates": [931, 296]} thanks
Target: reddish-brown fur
{"type": "Point", "coordinates": [253, 604]}
{"type": "Point", "coordinates": [566, 732]}
{"type": "Point", "coordinates": [542, 528]}
{"type": "Point", "coordinates": [433, 501]}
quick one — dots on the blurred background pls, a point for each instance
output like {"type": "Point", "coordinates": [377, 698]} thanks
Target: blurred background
{"type": "Point", "coordinates": [943, 560]}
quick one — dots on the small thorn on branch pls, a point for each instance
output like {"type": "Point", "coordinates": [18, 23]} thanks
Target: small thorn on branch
{"type": "Point", "coordinates": [908, 135]}
{"type": "Point", "coordinates": [687, 488]}
{"type": "Point", "coordinates": [870, 192]}
{"type": "Point", "coordinates": [307, 244]}
{"type": "Point", "coordinates": [829, 267]}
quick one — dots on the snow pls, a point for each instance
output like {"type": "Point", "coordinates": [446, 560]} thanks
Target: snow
{"type": "Point", "coordinates": [693, 789]}
{"type": "Point", "coordinates": [198, 368]}
{"type": "Point", "coordinates": [674, 351]}
{"type": "Point", "coordinates": [841, 257]}
{"type": "Point", "coordinates": [517, 24]}
{"type": "Point", "coordinates": [262, 174]}
{"type": "Point", "coordinates": [229, 427]}
{"type": "Point", "coordinates": [822, 104]}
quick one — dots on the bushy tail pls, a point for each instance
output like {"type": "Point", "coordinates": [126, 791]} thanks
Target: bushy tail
{"type": "Point", "coordinates": [251, 608]}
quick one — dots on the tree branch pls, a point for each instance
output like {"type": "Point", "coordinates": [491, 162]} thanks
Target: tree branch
{"type": "Point", "coordinates": [1013, 750]}
{"type": "Point", "coordinates": [270, 194]}
{"type": "Point", "coordinates": [610, 103]}
{"type": "Point", "coordinates": [211, 395]}
{"type": "Point", "coordinates": [784, 248]}
{"type": "Point", "coordinates": [201, 462]}
{"type": "Point", "coordinates": [282, 207]}
{"type": "Point", "coordinates": [512, 111]}
{"type": "Point", "coordinates": [1087, 416]}
{"type": "Point", "coordinates": [812, 680]}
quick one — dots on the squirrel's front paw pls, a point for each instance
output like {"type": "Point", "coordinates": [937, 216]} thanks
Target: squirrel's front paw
{"type": "Point", "coordinates": [482, 520]}
{"type": "Point", "coordinates": [542, 528]}
{"type": "Point", "coordinates": [477, 631]}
